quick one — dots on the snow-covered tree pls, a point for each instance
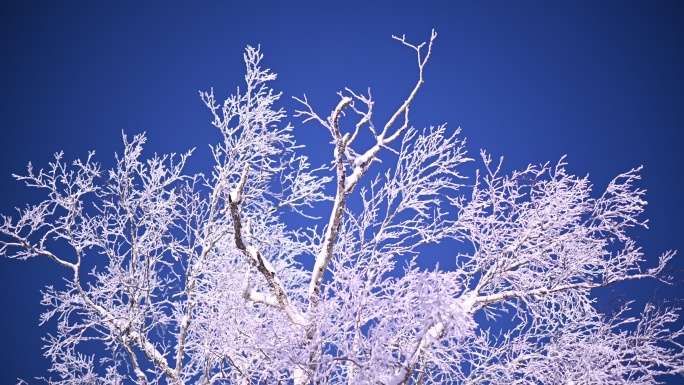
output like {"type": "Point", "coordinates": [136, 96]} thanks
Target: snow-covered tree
{"type": "Point", "coordinates": [175, 278]}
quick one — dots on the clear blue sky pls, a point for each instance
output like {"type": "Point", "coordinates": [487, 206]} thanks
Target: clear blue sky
{"type": "Point", "coordinates": [531, 80]}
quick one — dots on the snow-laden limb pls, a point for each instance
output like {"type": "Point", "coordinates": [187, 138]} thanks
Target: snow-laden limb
{"type": "Point", "coordinates": [347, 181]}
{"type": "Point", "coordinates": [598, 349]}
{"type": "Point", "coordinates": [108, 305]}
{"type": "Point", "coordinates": [540, 232]}
{"type": "Point", "coordinates": [360, 165]}
{"type": "Point", "coordinates": [257, 259]}
{"type": "Point", "coordinates": [192, 279]}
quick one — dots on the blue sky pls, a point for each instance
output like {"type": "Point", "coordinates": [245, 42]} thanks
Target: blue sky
{"type": "Point", "coordinates": [530, 80]}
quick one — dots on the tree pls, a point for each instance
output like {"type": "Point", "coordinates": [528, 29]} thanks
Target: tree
{"type": "Point", "coordinates": [199, 279]}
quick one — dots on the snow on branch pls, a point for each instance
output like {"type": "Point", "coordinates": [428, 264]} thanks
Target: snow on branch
{"type": "Point", "coordinates": [423, 277]}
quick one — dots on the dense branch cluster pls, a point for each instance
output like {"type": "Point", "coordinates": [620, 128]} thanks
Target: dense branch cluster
{"type": "Point", "coordinates": [199, 279]}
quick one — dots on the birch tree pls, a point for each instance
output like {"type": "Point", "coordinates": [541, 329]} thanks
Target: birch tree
{"type": "Point", "coordinates": [181, 279]}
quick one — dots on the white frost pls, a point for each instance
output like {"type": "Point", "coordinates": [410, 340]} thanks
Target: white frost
{"type": "Point", "coordinates": [362, 159]}
{"type": "Point", "coordinates": [234, 196]}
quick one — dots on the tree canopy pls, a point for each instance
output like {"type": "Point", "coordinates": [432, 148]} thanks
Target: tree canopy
{"type": "Point", "coordinates": [181, 278]}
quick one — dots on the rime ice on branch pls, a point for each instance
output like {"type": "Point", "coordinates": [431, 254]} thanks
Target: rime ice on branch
{"type": "Point", "coordinates": [197, 279]}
